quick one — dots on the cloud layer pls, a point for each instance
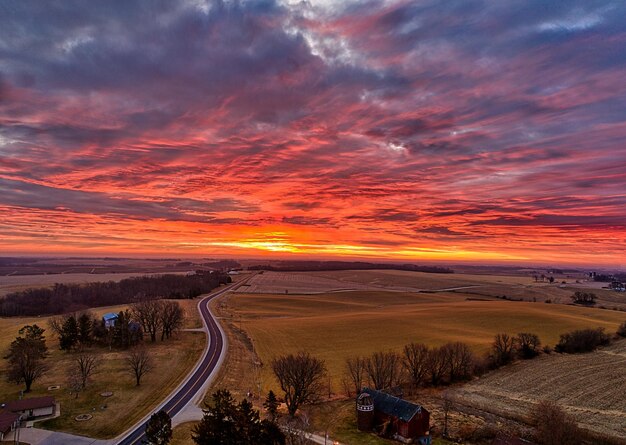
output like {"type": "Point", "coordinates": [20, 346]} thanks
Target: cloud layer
{"type": "Point", "coordinates": [455, 130]}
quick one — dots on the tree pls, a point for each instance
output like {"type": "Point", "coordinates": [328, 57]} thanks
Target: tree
{"type": "Point", "coordinates": [139, 363]}
{"type": "Point", "coordinates": [460, 360]}
{"type": "Point", "coordinates": [148, 314]}
{"type": "Point", "coordinates": [301, 377]}
{"type": "Point", "coordinates": [383, 369]}
{"type": "Point", "coordinates": [85, 366]}
{"type": "Point", "coordinates": [26, 356]}
{"type": "Point", "coordinates": [415, 360]}
{"type": "Point", "coordinates": [85, 328]}
{"type": "Point", "coordinates": [554, 426]}
{"type": "Point", "coordinates": [527, 345]}
{"type": "Point", "coordinates": [229, 423]}
{"type": "Point", "coordinates": [159, 429]}
{"type": "Point", "coordinates": [74, 381]}
{"type": "Point", "coordinates": [125, 333]}
{"type": "Point", "coordinates": [503, 350]}
{"type": "Point", "coordinates": [586, 298]}
{"type": "Point", "coordinates": [621, 331]}
{"type": "Point", "coordinates": [355, 371]}
{"type": "Point", "coordinates": [172, 317]}
{"type": "Point", "coordinates": [582, 340]}
{"type": "Point", "coordinates": [437, 365]}
{"type": "Point", "coordinates": [69, 333]}
{"type": "Point", "coordinates": [271, 405]}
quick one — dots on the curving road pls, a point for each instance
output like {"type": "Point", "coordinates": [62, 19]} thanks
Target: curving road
{"type": "Point", "coordinates": [209, 361]}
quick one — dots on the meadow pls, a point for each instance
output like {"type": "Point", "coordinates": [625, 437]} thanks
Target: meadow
{"type": "Point", "coordinates": [111, 415]}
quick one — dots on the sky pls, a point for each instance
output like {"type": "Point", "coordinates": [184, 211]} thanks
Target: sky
{"type": "Point", "coordinates": [419, 131]}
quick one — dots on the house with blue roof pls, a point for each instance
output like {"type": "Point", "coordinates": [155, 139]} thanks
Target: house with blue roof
{"type": "Point", "coordinates": [109, 319]}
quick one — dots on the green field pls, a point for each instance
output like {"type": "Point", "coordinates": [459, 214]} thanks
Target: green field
{"type": "Point", "coordinates": [338, 325]}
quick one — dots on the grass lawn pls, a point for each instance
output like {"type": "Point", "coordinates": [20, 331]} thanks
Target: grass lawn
{"type": "Point", "coordinates": [338, 325]}
{"type": "Point", "coordinates": [112, 415]}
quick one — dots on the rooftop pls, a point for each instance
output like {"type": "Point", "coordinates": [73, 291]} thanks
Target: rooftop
{"type": "Point", "coordinates": [26, 404]}
{"type": "Point", "coordinates": [393, 406]}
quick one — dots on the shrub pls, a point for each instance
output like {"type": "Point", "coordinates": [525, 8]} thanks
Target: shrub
{"type": "Point", "coordinates": [621, 331]}
{"type": "Point", "coordinates": [583, 340]}
{"type": "Point", "coordinates": [547, 349]}
{"type": "Point", "coordinates": [554, 426]}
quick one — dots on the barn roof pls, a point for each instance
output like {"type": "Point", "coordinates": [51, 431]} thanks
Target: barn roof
{"type": "Point", "coordinates": [32, 403]}
{"type": "Point", "coordinates": [393, 406]}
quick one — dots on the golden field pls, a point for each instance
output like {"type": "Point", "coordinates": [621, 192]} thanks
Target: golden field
{"type": "Point", "coordinates": [339, 325]}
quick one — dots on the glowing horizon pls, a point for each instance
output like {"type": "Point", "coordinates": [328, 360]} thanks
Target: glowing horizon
{"type": "Point", "coordinates": [392, 130]}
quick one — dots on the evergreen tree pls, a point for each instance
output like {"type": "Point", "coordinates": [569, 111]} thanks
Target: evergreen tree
{"type": "Point", "coordinates": [271, 405]}
{"type": "Point", "coordinates": [159, 429]}
{"type": "Point", "coordinates": [228, 423]}
{"type": "Point", "coordinates": [69, 333]}
{"type": "Point", "coordinates": [85, 328]}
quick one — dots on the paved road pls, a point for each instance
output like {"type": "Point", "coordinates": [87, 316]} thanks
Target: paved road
{"type": "Point", "coordinates": [208, 363]}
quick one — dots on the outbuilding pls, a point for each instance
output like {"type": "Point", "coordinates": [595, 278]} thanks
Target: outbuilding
{"type": "Point", "coordinates": [393, 417]}
{"type": "Point", "coordinates": [109, 319]}
{"type": "Point", "coordinates": [31, 408]}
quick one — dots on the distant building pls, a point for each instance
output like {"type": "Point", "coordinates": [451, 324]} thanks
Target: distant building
{"type": "Point", "coordinates": [392, 416]}
{"type": "Point", "coordinates": [617, 286]}
{"type": "Point", "coordinates": [31, 408]}
{"type": "Point", "coordinates": [8, 422]}
{"type": "Point", "coordinates": [109, 319]}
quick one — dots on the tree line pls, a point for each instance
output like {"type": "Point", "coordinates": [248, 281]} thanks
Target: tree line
{"type": "Point", "coordinates": [307, 266]}
{"type": "Point", "coordinates": [156, 318]}
{"type": "Point", "coordinates": [62, 298]}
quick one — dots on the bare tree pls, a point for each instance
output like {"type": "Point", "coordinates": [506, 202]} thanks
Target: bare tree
{"type": "Point", "coordinates": [460, 360]}
{"type": "Point", "coordinates": [139, 362]}
{"type": "Point", "coordinates": [355, 371]}
{"type": "Point", "coordinates": [527, 345]}
{"type": "Point", "coordinates": [74, 381]}
{"type": "Point", "coordinates": [503, 349]}
{"type": "Point", "coordinates": [437, 365]}
{"type": "Point", "coordinates": [415, 361]}
{"type": "Point", "coordinates": [172, 317]}
{"type": "Point", "coordinates": [148, 314]}
{"type": "Point", "coordinates": [301, 377]}
{"type": "Point", "coordinates": [384, 369]}
{"type": "Point", "coordinates": [85, 366]}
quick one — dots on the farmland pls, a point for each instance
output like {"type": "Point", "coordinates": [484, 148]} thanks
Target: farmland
{"type": "Point", "coordinates": [16, 283]}
{"type": "Point", "coordinates": [590, 387]}
{"type": "Point", "coordinates": [518, 287]}
{"type": "Point", "coordinates": [334, 326]}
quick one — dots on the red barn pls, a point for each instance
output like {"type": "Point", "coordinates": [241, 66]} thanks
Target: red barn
{"type": "Point", "coordinates": [393, 416]}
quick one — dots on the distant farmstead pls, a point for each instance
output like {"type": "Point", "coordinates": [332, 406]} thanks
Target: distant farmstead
{"type": "Point", "coordinates": [392, 417]}
{"type": "Point", "coordinates": [109, 319]}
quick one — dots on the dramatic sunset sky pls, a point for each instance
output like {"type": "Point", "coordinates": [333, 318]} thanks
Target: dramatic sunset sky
{"type": "Point", "coordinates": [412, 130]}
